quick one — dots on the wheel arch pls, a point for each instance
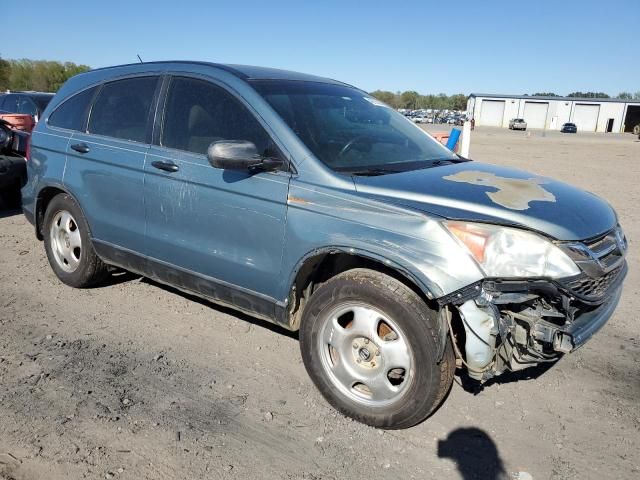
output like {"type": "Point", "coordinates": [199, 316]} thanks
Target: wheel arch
{"type": "Point", "coordinates": [319, 265]}
{"type": "Point", "coordinates": [43, 199]}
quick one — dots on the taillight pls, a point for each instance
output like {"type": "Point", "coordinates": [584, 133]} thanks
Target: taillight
{"type": "Point", "coordinates": [27, 150]}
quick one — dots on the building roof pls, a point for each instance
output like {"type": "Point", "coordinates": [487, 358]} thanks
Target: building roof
{"type": "Point", "coordinates": [560, 99]}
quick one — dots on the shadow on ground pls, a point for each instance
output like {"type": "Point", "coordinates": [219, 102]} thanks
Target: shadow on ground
{"type": "Point", "coordinates": [9, 212]}
{"type": "Point", "coordinates": [474, 453]}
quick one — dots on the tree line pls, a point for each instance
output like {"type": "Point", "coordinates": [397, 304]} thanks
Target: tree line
{"type": "Point", "coordinates": [413, 100]}
{"type": "Point", "coordinates": [48, 76]}
{"type": "Point", "coordinates": [39, 75]}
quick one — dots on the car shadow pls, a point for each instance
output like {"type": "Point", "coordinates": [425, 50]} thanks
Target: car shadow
{"type": "Point", "coordinates": [475, 454]}
{"type": "Point", "coordinates": [473, 386]}
{"type": "Point", "coordinates": [6, 212]}
{"type": "Point", "coordinates": [225, 310]}
{"type": "Point", "coordinates": [118, 276]}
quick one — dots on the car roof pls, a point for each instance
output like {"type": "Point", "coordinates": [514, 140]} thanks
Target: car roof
{"type": "Point", "coordinates": [245, 72]}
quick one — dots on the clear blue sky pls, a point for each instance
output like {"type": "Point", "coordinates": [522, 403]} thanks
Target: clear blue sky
{"type": "Point", "coordinates": [489, 46]}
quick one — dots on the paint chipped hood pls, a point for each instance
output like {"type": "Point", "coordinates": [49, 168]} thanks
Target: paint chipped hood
{"type": "Point", "coordinates": [481, 192]}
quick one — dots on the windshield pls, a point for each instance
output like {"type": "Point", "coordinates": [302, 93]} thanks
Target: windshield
{"type": "Point", "coordinates": [350, 131]}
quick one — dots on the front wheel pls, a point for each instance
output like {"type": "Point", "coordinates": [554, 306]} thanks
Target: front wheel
{"type": "Point", "coordinates": [369, 344]}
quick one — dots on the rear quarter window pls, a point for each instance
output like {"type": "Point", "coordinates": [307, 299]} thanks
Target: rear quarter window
{"type": "Point", "coordinates": [72, 113]}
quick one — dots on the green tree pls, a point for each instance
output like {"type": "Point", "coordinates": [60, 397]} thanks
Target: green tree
{"type": "Point", "coordinates": [625, 96]}
{"type": "Point", "coordinates": [41, 75]}
{"type": "Point", "coordinates": [458, 101]}
{"type": "Point", "coordinates": [5, 73]}
{"type": "Point", "coordinates": [588, 95]}
{"type": "Point", "coordinates": [636, 96]}
{"type": "Point", "coordinates": [387, 97]}
{"type": "Point", "coordinates": [409, 99]}
{"type": "Point", "coordinates": [546, 94]}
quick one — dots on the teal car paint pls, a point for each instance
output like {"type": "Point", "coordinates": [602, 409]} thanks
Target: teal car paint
{"type": "Point", "coordinates": [255, 187]}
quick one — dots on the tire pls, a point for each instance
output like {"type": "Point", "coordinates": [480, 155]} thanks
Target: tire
{"type": "Point", "coordinates": [360, 305]}
{"type": "Point", "coordinates": [636, 130]}
{"type": "Point", "coordinates": [67, 241]}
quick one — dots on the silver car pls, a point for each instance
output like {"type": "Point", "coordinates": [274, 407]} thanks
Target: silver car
{"type": "Point", "coordinates": [517, 124]}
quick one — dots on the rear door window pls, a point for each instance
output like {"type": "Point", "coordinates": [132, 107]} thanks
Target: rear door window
{"type": "Point", "coordinates": [10, 104]}
{"type": "Point", "coordinates": [198, 113]}
{"type": "Point", "coordinates": [122, 109]}
{"type": "Point", "coordinates": [72, 114]}
{"type": "Point", "coordinates": [26, 106]}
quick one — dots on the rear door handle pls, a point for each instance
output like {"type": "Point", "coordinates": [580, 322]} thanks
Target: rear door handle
{"type": "Point", "coordinates": [80, 147]}
{"type": "Point", "coordinates": [166, 166]}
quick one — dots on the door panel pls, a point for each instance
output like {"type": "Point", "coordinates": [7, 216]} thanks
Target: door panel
{"type": "Point", "coordinates": [222, 224]}
{"type": "Point", "coordinates": [225, 225]}
{"type": "Point", "coordinates": [105, 165]}
{"type": "Point", "coordinates": [108, 181]}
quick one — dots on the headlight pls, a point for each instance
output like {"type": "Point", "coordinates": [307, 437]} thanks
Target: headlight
{"type": "Point", "coordinates": [509, 252]}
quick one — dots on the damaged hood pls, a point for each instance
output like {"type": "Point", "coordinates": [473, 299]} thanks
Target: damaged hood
{"type": "Point", "coordinates": [482, 192]}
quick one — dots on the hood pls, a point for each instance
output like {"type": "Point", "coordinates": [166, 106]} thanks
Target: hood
{"type": "Point", "coordinates": [482, 192]}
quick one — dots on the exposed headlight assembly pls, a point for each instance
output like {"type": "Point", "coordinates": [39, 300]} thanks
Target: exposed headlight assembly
{"type": "Point", "coordinates": [512, 253]}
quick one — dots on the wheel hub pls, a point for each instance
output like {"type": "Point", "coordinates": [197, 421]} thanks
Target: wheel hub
{"type": "Point", "coordinates": [365, 352]}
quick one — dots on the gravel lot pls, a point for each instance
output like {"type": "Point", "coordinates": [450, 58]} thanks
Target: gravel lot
{"type": "Point", "coordinates": [137, 381]}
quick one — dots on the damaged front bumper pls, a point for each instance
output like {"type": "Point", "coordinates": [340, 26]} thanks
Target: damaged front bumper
{"type": "Point", "coordinates": [511, 325]}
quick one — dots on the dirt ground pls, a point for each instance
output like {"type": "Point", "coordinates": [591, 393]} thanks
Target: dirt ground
{"type": "Point", "coordinates": [136, 381]}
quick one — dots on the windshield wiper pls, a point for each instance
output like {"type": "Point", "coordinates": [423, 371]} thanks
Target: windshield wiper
{"type": "Point", "coordinates": [372, 172]}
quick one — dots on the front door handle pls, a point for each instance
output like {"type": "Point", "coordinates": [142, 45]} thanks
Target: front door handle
{"type": "Point", "coordinates": [166, 166]}
{"type": "Point", "coordinates": [80, 147]}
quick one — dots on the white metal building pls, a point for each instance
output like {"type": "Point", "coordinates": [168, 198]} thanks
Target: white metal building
{"type": "Point", "coordinates": [589, 114]}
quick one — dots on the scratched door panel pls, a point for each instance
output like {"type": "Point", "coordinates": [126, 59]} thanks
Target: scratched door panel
{"type": "Point", "coordinates": [223, 224]}
{"type": "Point", "coordinates": [108, 182]}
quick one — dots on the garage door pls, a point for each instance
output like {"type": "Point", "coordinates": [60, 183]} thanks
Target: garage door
{"type": "Point", "coordinates": [535, 114]}
{"type": "Point", "coordinates": [491, 113]}
{"type": "Point", "coordinates": [585, 116]}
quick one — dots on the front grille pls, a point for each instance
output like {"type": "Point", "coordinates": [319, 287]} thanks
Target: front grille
{"type": "Point", "coordinates": [599, 256]}
{"type": "Point", "coordinates": [592, 289]}
{"type": "Point", "coordinates": [601, 260]}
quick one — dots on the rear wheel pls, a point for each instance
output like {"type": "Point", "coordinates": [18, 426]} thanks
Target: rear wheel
{"type": "Point", "coordinates": [68, 244]}
{"type": "Point", "coordinates": [369, 344]}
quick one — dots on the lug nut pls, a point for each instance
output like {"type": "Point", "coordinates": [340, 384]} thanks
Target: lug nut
{"type": "Point", "coordinates": [366, 341]}
{"type": "Point", "coordinates": [355, 345]}
{"type": "Point", "coordinates": [378, 353]}
{"type": "Point", "coordinates": [358, 360]}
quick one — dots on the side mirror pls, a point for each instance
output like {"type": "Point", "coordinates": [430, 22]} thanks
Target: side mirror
{"type": "Point", "coordinates": [239, 155]}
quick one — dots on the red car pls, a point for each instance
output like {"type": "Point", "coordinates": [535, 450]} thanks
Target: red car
{"type": "Point", "coordinates": [14, 145]}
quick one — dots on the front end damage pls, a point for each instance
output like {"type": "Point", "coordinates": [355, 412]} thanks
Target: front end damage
{"type": "Point", "coordinates": [507, 325]}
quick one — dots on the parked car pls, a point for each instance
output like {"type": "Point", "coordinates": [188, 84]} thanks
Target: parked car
{"type": "Point", "coordinates": [569, 128]}
{"type": "Point", "coordinates": [306, 202]}
{"type": "Point", "coordinates": [517, 124]}
{"type": "Point", "coordinates": [13, 151]}
{"type": "Point", "coordinates": [30, 103]}
{"type": "Point", "coordinates": [420, 119]}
